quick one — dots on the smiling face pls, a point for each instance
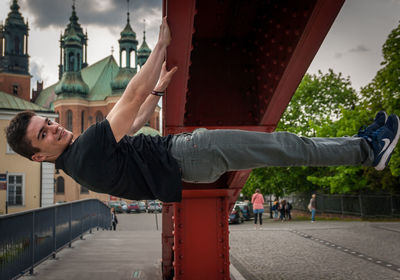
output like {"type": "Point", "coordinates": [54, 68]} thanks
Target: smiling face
{"type": "Point", "coordinates": [49, 137]}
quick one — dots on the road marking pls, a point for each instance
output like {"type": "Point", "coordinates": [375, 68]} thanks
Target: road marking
{"type": "Point", "coordinates": [349, 251]}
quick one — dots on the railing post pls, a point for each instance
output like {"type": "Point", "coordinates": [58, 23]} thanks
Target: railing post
{"type": "Point", "coordinates": [70, 226]}
{"type": "Point", "coordinates": [91, 217]}
{"type": "Point", "coordinates": [54, 233]}
{"type": "Point", "coordinates": [391, 205]}
{"type": "Point", "coordinates": [33, 243]}
{"type": "Point", "coordinates": [361, 208]}
{"type": "Point", "coordinates": [341, 202]}
{"type": "Point", "coordinates": [98, 215]}
{"type": "Point", "coordinates": [81, 237]}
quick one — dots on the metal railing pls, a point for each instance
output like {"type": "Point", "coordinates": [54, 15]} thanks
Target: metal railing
{"type": "Point", "coordinates": [30, 237]}
{"type": "Point", "coordinates": [363, 205]}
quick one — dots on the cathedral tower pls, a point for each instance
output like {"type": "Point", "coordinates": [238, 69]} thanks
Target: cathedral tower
{"type": "Point", "coordinates": [14, 58]}
{"type": "Point", "coordinates": [127, 58]}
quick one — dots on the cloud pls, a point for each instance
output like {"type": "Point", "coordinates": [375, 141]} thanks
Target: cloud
{"type": "Point", "coordinates": [108, 13]}
{"type": "Point", "coordinates": [359, 48]}
{"type": "Point", "coordinates": [338, 55]}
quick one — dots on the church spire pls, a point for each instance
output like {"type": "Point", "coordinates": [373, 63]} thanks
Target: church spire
{"type": "Point", "coordinates": [128, 50]}
{"type": "Point", "coordinates": [127, 14]}
{"type": "Point", "coordinates": [73, 46]}
{"type": "Point", "coordinates": [144, 50]}
{"type": "Point", "coordinates": [14, 35]}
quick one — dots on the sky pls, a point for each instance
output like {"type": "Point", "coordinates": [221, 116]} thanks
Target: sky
{"type": "Point", "coordinates": [353, 46]}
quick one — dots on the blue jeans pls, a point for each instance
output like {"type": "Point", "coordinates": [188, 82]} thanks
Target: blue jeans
{"type": "Point", "coordinates": [313, 211]}
{"type": "Point", "coordinates": [205, 155]}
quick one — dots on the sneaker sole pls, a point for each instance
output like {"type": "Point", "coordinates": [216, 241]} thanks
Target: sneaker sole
{"type": "Point", "coordinates": [383, 162]}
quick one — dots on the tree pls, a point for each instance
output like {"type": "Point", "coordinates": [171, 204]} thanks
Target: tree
{"type": "Point", "coordinates": [318, 99]}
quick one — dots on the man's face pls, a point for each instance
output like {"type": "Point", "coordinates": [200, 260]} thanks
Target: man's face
{"type": "Point", "coordinates": [49, 137]}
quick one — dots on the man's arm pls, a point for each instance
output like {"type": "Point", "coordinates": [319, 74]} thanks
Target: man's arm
{"type": "Point", "coordinates": [149, 105]}
{"type": "Point", "coordinates": [125, 111]}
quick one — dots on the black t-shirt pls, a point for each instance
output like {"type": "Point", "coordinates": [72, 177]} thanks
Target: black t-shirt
{"type": "Point", "coordinates": [138, 167]}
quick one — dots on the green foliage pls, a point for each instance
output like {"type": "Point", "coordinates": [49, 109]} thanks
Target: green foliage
{"type": "Point", "coordinates": [318, 99]}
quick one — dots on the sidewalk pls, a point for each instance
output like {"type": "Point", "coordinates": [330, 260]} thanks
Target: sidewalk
{"type": "Point", "coordinates": [131, 252]}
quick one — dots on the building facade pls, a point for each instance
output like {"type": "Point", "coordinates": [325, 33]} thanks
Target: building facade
{"type": "Point", "coordinates": [24, 184]}
{"type": "Point", "coordinates": [86, 93]}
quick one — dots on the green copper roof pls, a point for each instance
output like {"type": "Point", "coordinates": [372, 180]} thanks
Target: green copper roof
{"type": "Point", "coordinates": [71, 35]}
{"type": "Point", "coordinates": [144, 48]}
{"type": "Point", "coordinates": [128, 31]}
{"type": "Point", "coordinates": [147, 130]}
{"type": "Point", "coordinates": [71, 84]}
{"type": "Point", "coordinates": [97, 76]}
{"type": "Point", "coordinates": [8, 101]}
{"type": "Point", "coordinates": [74, 25]}
{"type": "Point", "coordinates": [122, 79]}
{"type": "Point", "coordinates": [14, 16]}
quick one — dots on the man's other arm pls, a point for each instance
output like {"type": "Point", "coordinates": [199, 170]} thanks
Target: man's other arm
{"type": "Point", "coordinates": [126, 110]}
{"type": "Point", "coordinates": [148, 107]}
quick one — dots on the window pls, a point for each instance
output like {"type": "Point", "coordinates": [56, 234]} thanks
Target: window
{"type": "Point", "coordinates": [84, 189]}
{"type": "Point", "coordinates": [99, 117]}
{"type": "Point", "coordinates": [82, 121]}
{"type": "Point", "coordinates": [16, 45]}
{"type": "Point", "coordinates": [15, 89]}
{"type": "Point", "coordinates": [123, 59]}
{"type": "Point", "coordinates": [71, 62]}
{"type": "Point", "coordinates": [58, 119]}
{"type": "Point", "coordinates": [15, 189]}
{"type": "Point", "coordinates": [69, 120]}
{"type": "Point", "coordinates": [60, 185]}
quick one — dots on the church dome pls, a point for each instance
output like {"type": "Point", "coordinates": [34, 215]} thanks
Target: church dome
{"type": "Point", "coordinates": [121, 80]}
{"type": "Point", "coordinates": [147, 130]}
{"type": "Point", "coordinates": [71, 84]}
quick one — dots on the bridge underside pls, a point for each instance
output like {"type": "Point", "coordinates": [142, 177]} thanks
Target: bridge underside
{"type": "Point", "coordinates": [239, 64]}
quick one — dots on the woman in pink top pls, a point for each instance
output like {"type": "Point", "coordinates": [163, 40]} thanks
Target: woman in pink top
{"type": "Point", "coordinates": [258, 206]}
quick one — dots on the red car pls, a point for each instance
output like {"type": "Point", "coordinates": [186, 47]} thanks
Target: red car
{"type": "Point", "coordinates": [133, 207]}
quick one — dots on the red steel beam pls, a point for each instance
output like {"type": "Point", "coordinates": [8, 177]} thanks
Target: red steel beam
{"type": "Point", "coordinates": [321, 19]}
{"type": "Point", "coordinates": [278, 47]}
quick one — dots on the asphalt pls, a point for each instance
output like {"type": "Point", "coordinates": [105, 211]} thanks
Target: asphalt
{"type": "Point", "coordinates": [280, 250]}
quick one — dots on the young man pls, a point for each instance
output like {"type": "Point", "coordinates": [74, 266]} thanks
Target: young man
{"type": "Point", "coordinates": [105, 159]}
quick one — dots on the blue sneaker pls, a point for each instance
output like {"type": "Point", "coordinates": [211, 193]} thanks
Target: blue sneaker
{"type": "Point", "coordinates": [379, 121]}
{"type": "Point", "coordinates": [383, 141]}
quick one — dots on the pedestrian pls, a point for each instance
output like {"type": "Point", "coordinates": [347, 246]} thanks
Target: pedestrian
{"type": "Point", "coordinates": [104, 158]}
{"type": "Point", "coordinates": [282, 210]}
{"type": "Point", "coordinates": [288, 210]}
{"type": "Point", "coordinates": [276, 209]}
{"type": "Point", "coordinates": [313, 207]}
{"type": "Point", "coordinates": [258, 207]}
{"type": "Point", "coordinates": [114, 219]}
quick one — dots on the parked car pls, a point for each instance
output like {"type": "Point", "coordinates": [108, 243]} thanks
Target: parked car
{"type": "Point", "coordinates": [142, 206]}
{"type": "Point", "coordinates": [116, 205]}
{"type": "Point", "coordinates": [154, 207]}
{"type": "Point", "coordinates": [133, 207]}
{"type": "Point", "coordinates": [124, 206]}
{"type": "Point", "coordinates": [246, 208]}
{"type": "Point", "coordinates": [236, 216]}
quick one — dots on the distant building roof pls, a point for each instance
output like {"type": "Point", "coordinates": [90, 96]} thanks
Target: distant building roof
{"type": "Point", "coordinates": [10, 102]}
{"type": "Point", "coordinates": [97, 76]}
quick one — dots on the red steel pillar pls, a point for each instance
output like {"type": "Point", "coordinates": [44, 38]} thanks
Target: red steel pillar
{"type": "Point", "coordinates": [201, 235]}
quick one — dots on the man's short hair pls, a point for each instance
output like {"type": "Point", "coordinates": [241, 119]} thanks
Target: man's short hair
{"type": "Point", "coordinates": [16, 135]}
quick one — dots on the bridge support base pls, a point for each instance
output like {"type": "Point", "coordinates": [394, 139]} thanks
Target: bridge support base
{"type": "Point", "coordinates": [200, 236]}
